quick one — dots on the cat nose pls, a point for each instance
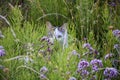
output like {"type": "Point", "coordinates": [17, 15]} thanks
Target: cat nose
{"type": "Point", "coordinates": [59, 36]}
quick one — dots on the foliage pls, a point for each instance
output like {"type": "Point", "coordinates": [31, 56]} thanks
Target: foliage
{"type": "Point", "coordinates": [24, 56]}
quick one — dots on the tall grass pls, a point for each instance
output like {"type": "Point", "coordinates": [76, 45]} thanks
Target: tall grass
{"type": "Point", "coordinates": [88, 22]}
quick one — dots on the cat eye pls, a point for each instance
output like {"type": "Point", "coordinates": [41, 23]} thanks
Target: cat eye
{"type": "Point", "coordinates": [61, 29]}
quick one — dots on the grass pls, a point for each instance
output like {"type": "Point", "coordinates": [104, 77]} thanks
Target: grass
{"type": "Point", "coordinates": [88, 22]}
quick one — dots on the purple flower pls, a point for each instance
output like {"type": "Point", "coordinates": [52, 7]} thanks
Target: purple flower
{"type": "Point", "coordinates": [113, 4]}
{"type": "Point", "coordinates": [95, 68]}
{"type": "Point", "coordinates": [74, 52]}
{"type": "Point", "coordinates": [82, 65]}
{"type": "Point", "coordinates": [2, 51]}
{"type": "Point", "coordinates": [43, 77]}
{"type": "Point", "coordinates": [84, 73]}
{"type": "Point", "coordinates": [96, 63]}
{"type": "Point", "coordinates": [94, 77]}
{"type": "Point", "coordinates": [49, 49]}
{"type": "Point", "coordinates": [116, 46]}
{"type": "Point", "coordinates": [1, 47]}
{"type": "Point", "coordinates": [44, 38]}
{"type": "Point", "coordinates": [47, 39]}
{"type": "Point", "coordinates": [96, 52]}
{"type": "Point", "coordinates": [85, 39]}
{"type": "Point", "coordinates": [110, 72]}
{"type": "Point", "coordinates": [27, 59]}
{"type": "Point", "coordinates": [72, 78]}
{"type": "Point", "coordinates": [43, 70]}
{"type": "Point", "coordinates": [86, 45]}
{"type": "Point", "coordinates": [91, 50]}
{"type": "Point", "coordinates": [116, 33]}
{"type": "Point", "coordinates": [107, 56]}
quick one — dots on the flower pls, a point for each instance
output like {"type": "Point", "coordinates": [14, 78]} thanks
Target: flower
{"type": "Point", "coordinates": [116, 46]}
{"type": "Point", "coordinates": [72, 78]}
{"type": "Point", "coordinates": [84, 73]}
{"type": "Point", "coordinates": [95, 68]}
{"type": "Point", "coordinates": [96, 63]}
{"type": "Point", "coordinates": [110, 72]}
{"type": "Point", "coordinates": [96, 52]}
{"type": "Point", "coordinates": [2, 51]}
{"type": "Point", "coordinates": [74, 52]}
{"type": "Point", "coordinates": [86, 45]}
{"type": "Point", "coordinates": [113, 4]}
{"type": "Point", "coordinates": [44, 38]}
{"type": "Point", "coordinates": [43, 70]}
{"type": "Point", "coordinates": [43, 77]}
{"type": "Point", "coordinates": [93, 77]}
{"type": "Point", "coordinates": [82, 65]}
{"type": "Point", "coordinates": [108, 56]}
{"type": "Point", "coordinates": [91, 50]}
{"type": "Point", "coordinates": [116, 33]}
{"type": "Point", "coordinates": [1, 47]}
{"type": "Point", "coordinates": [27, 59]}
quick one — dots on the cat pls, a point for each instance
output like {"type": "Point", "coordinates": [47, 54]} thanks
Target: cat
{"type": "Point", "coordinates": [58, 33]}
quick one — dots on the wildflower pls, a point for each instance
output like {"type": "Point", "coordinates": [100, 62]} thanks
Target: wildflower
{"type": "Point", "coordinates": [44, 38]}
{"type": "Point", "coordinates": [72, 78]}
{"type": "Point", "coordinates": [110, 72]}
{"type": "Point", "coordinates": [43, 70]}
{"type": "Point", "coordinates": [116, 46]}
{"type": "Point", "coordinates": [96, 52]}
{"type": "Point", "coordinates": [1, 47]}
{"type": "Point", "coordinates": [86, 45]}
{"type": "Point", "coordinates": [47, 39]}
{"type": "Point", "coordinates": [96, 63]}
{"type": "Point", "coordinates": [95, 68]}
{"type": "Point", "coordinates": [84, 73]}
{"type": "Point", "coordinates": [94, 77]}
{"type": "Point", "coordinates": [113, 4]}
{"type": "Point", "coordinates": [27, 59]}
{"type": "Point", "coordinates": [74, 52]}
{"type": "Point", "coordinates": [116, 33]}
{"type": "Point", "coordinates": [107, 56]}
{"type": "Point", "coordinates": [91, 50]}
{"type": "Point", "coordinates": [2, 51]}
{"type": "Point", "coordinates": [49, 49]}
{"type": "Point", "coordinates": [84, 39]}
{"type": "Point", "coordinates": [43, 77]}
{"type": "Point", "coordinates": [82, 65]}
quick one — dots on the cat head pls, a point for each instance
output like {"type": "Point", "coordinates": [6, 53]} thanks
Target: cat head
{"type": "Point", "coordinates": [57, 33]}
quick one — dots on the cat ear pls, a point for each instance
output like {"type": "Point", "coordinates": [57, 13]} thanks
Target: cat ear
{"type": "Point", "coordinates": [49, 25]}
{"type": "Point", "coordinates": [64, 26]}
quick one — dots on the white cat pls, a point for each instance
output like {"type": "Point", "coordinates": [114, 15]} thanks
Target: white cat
{"type": "Point", "coordinates": [58, 33]}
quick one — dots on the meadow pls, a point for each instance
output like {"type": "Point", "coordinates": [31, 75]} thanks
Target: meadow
{"type": "Point", "coordinates": [93, 51]}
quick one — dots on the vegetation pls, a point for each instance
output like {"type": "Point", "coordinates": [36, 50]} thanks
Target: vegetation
{"type": "Point", "coordinates": [94, 40]}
